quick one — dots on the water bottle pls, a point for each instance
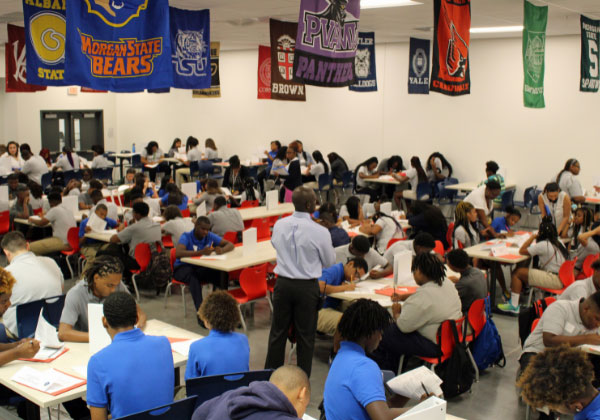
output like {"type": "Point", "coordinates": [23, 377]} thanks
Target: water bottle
{"type": "Point", "coordinates": [133, 148]}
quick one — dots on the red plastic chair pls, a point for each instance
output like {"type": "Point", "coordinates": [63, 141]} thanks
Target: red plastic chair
{"type": "Point", "coordinates": [167, 241]}
{"type": "Point", "coordinates": [253, 286]}
{"type": "Point", "coordinates": [273, 220]}
{"type": "Point", "coordinates": [535, 323]}
{"type": "Point", "coordinates": [249, 203]}
{"type": "Point", "coordinates": [38, 212]}
{"type": "Point", "coordinates": [231, 237]}
{"type": "Point", "coordinates": [142, 256]}
{"type": "Point", "coordinates": [4, 222]}
{"type": "Point", "coordinates": [263, 229]}
{"type": "Point", "coordinates": [286, 215]}
{"type": "Point", "coordinates": [566, 276]}
{"type": "Point", "coordinates": [185, 213]}
{"type": "Point", "coordinates": [439, 248]}
{"type": "Point", "coordinates": [271, 282]}
{"type": "Point", "coordinates": [393, 241]}
{"type": "Point", "coordinates": [73, 239]}
{"type": "Point", "coordinates": [449, 234]}
{"type": "Point", "coordinates": [587, 269]}
{"type": "Point", "coordinates": [476, 319]}
{"type": "Point", "coordinates": [174, 282]}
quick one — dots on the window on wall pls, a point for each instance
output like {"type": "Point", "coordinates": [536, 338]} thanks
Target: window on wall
{"type": "Point", "coordinates": [79, 130]}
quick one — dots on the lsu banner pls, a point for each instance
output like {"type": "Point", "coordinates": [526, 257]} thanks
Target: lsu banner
{"type": "Point", "coordinates": [590, 56]}
{"type": "Point", "coordinates": [16, 62]}
{"type": "Point", "coordinates": [450, 68]}
{"type": "Point", "coordinates": [190, 42]}
{"type": "Point", "coordinates": [283, 45]}
{"type": "Point", "coordinates": [214, 91]}
{"type": "Point", "coordinates": [326, 42]}
{"type": "Point", "coordinates": [534, 51]}
{"type": "Point", "coordinates": [120, 46]}
{"type": "Point", "coordinates": [364, 64]}
{"type": "Point", "coordinates": [45, 34]}
{"type": "Point", "coordinates": [264, 72]}
{"type": "Point", "coordinates": [418, 66]}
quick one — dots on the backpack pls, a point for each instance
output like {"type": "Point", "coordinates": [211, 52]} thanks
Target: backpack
{"type": "Point", "coordinates": [528, 315]}
{"type": "Point", "coordinates": [158, 273]}
{"type": "Point", "coordinates": [487, 347]}
{"type": "Point", "coordinates": [456, 372]}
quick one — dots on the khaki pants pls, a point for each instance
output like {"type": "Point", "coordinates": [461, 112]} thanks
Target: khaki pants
{"type": "Point", "coordinates": [328, 320]}
{"type": "Point", "coordinates": [541, 278]}
{"type": "Point", "coordinates": [181, 175]}
{"type": "Point", "coordinates": [89, 252]}
{"type": "Point", "coordinates": [48, 246]}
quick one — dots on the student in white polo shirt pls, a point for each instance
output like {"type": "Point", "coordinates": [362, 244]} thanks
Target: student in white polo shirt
{"type": "Point", "coordinates": [567, 182]}
{"type": "Point", "coordinates": [34, 166]}
{"type": "Point", "coordinates": [581, 289]}
{"type": "Point", "coordinates": [61, 219]}
{"type": "Point", "coordinates": [423, 242]}
{"type": "Point", "coordinates": [360, 247]}
{"type": "Point", "coordinates": [482, 198]}
{"type": "Point", "coordinates": [144, 230]}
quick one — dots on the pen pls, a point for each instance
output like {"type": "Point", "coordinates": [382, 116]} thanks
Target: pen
{"type": "Point", "coordinates": [424, 389]}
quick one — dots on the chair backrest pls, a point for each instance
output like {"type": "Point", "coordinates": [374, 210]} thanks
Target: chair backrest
{"type": "Point", "coordinates": [325, 180]}
{"type": "Point", "coordinates": [449, 234]}
{"type": "Point", "coordinates": [587, 269]}
{"type": "Point", "coordinates": [185, 212]}
{"type": "Point", "coordinates": [194, 167]}
{"type": "Point", "coordinates": [46, 180]}
{"type": "Point", "coordinates": [446, 337]}
{"type": "Point", "coordinates": [529, 195]}
{"type": "Point", "coordinates": [167, 241]}
{"type": "Point", "coordinates": [534, 323]}
{"type": "Point", "coordinates": [182, 409]}
{"type": "Point", "coordinates": [53, 308]}
{"type": "Point", "coordinates": [393, 241]}
{"type": "Point", "coordinates": [208, 387]}
{"type": "Point", "coordinates": [253, 281]}
{"type": "Point", "coordinates": [136, 160]}
{"type": "Point", "coordinates": [263, 228]}
{"type": "Point", "coordinates": [439, 248]}
{"type": "Point", "coordinates": [73, 238]}
{"type": "Point", "coordinates": [231, 237]}
{"type": "Point", "coordinates": [4, 222]}
{"type": "Point", "coordinates": [172, 257]}
{"type": "Point", "coordinates": [69, 175]}
{"type": "Point", "coordinates": [476, 316]}
{"type": "Point", "coordinates": [423, 189]}
{"type": "Point", "coordinates": [143, 255]}
{"type": "Point", "coordinates": [29, 313]}
{"type": "Point", "coordinates": [273, 220]}
{"type": "Point", "coordinates": [508, 197]}
{"type": "Point", "coordinates": [566, 273]}
{"type": "Point", "coordinates": [249, 203]}
{"type": "Point", "coordinates": [347, 179]}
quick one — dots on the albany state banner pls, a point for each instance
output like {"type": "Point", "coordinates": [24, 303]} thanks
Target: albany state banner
{"type": "Point", "coordinates": [119, 45]}
{"type": "Point", "coordinates": [326, 42]}
{"type": "Point", "coordinates": [45, 34]}
{"type": "Point", "coordinates": [534, 53]}
{"type": "Point", "coordinates": [418, 66]}
{"type": "Point", "coordinates": [283, 46]}
{"type": "Point", "coordinates": [364, 64]}
{"type": "Point", "coordinates": [450, 68]}
{"type": "Point", "coordinates": [214, 91]}
{"type": "Point", "coordinates": [264, 72]}
{"type": "Point", "coordinates": [16, 62]}
{"type": "Point", "coordinates": [590, 55]}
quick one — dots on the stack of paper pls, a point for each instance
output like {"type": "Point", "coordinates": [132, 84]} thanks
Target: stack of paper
{"type": "Point", "coordinates": [412, 384]}
{"type": "Point", "coordinates": [50, 346]}
{"type": "Point", "coordinates": [51, 381]}
{"type": "Point", "coordinates": [431, 409]}
{"type": "Point", "coordinates": [96, 223]}
{"type": "Point", "coordinates": [182, 347]}
{"type": "Point", "coordinates": [386, 178]}
{"type": "Point", "coordinates": [589, 348]}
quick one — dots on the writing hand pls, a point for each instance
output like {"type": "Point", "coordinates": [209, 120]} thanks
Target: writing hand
{"type": "Point", "coordinates": [28, 349]}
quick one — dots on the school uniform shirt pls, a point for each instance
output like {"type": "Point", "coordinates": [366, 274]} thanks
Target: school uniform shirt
{"type": "Point", "coordinates": [13, 162]}
{"type": "Point", "coordinates": [354, 381]}
{"type": "Point", "coordinates": [84, 198]}
{"type": "Point", "coordinates": [218, 354]}
{"type": "Point", "coordinates": [555, 209]}
{"type": "Point", "coordinates": [278, 167]}
{"type": "Point", "coordinates": [478, 200]}
{"type": "Point", "coordinates": [438, 165]}
{"type": "Point", "coordinates": [560, 318]}
{"type": "Point", "coordinates": [144, 231]}
{"type": "Point", "coordinates": [339, 237]}
{"type": "Point", "coordinates": [63, 162]}
{"type": "Point", "coordinates": [75, 311]}
{"type": "Point", "coordinates": [182, 206]}
{"type": "Point", "coordinates": [208, 198]}
{"type": "Point", "coordinates": [194, 154]}
{"type": "Point", "coordinates": [154, 204]}
{"type": "Point", "coordinates": [550, 258]}
{"type": "Point", "coordinates": [397, 248]}
{"type": "Point", "coordinates": [34, 168]}
{"type": "Point", "coordinates": [39, 203]}
{"type": "Point", "coordinates": [61, 219]}
{"type": "Point", "coordinates": [177, 227]}
{"type": "Point", "coordinates": [580, 289]}
{"type": "Point", "coordinates": [569, 184]}
{"type": "Point", "coordinates": [337, 169]}
{"type": "Point", "coordinates": [460, 234]}
{"type": "Point", "coordinates": [591, 412]}
{"type": "Point", "coordinates": [112, 211]}
{"type": "Point", "coordinates": [332, 276]}
{"type": "Point", "coordinates": [134, 373]}
{"type": "Point", "coordinates": [413, 178]}
{"type": "Point", "coordinates": [471, 286]}
{"type": "Point", "coordinates": [101, 162]}
{"type": "Point", "coordinates": [367, 208]}
{"type": "Point", "coordinates": [389, 230]}
{"type": "Point", "coordinates": [154, 158]}
{"type": "Point", "coordinates": [17, 209]}
{"type": "Point", "coordinates": [365, 171]}
{"type": "Point", "coordinates": [317, 170]}
{"type": "Point", "coordinates": [110, 224]}
{"type": "Point", "coordinates": [500, 224]}
{"type": "Point", "coordinates": [192, 243]}
{"type": "Point", "coordinates": [77, 192]}
{"type": "Point", "coordinates": [428, 307]}
{"type": "Point", "coordinates": [582, 252]}
{"type": "Point", "coordinates": [343, 255]}
{"type": "Point", "coordinates": [500, 180]}
{"type": "Point", "coordinates": [305, 158]}
{"type": "Point", "coordinates": [225, 220]}
{"type": "Point", "coordinates": [210, 153]}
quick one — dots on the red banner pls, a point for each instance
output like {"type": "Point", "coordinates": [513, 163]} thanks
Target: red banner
{"type": "Point", "coordinates": [264, 72]}
{"type": "Point", "coordinates": [16, 63]}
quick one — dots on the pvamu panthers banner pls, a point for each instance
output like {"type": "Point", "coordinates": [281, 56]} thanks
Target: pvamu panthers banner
{"type": "Point", "coordinates": [590, 55]}
{"type": "Point", "coordinates": [118, 45]}
{"type": "Point", "coordinates": [534, 53]}
{"type": "Point", "coordinates": [364, 64]}
{"type": "Point", "coordinates": [45, 29]}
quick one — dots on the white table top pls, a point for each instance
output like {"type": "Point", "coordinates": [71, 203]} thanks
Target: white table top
{"type": "Point", "coordinates": [470, 186]}
{"type": "Point", "coordinates": [235, 260]}
{"type": "Point", "coordinates": [124, 155]}
{"type": "Point", "coordinates": [592, 200]}
{"type": "Point", "coordinates": [483, 252]}
{"type": "Point", "coordinates": [78, 355]}
{"type": "Point", "coordinates": [78, 218]}
{"type": "Point", "coordinates": [99, 236]}
{"type": "Point", "coordinates": [226, 164]}
{"type": "Point", "coordinates": [384, 179]}
{"type": "Point", "coordinates": [262, 212]}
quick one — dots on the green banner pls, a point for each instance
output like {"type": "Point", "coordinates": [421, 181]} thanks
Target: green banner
{"type": "Point", "coordinates": [534, 49]}
{"type": "Point", "coordinates": [590, 57]}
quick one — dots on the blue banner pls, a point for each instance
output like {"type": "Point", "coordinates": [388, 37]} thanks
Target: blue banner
{"type": "Point", "coordinates": [364, 64]}
{"type": "Point", "coordinates": [45, 29]}
{"type": "Point", "coordinates": [418, 66]}
{"type": "Point", "coordinates": [118, 45]}
{"type": "Point", "coordinates": [190, 48]}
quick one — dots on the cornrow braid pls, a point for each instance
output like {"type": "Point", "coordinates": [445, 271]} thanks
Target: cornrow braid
{"type": "Point", "coordinates": [363, 318]}
{"type": "Point", "coordinates": [103, 265]}
{"type": "Point", "coordinates": [120, 310]}
{"type": "Point", "coordinates": [547, 232]}
{"type": "Point", "coordinates": [430, 266]}
{"type": "Point", "coordinates": [461, 218]}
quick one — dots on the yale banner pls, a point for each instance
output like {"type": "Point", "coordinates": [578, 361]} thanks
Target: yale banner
{"type": "Point", "coordinates": [214, 91]}
{"type": "Point", "coordinates": [16, 62]}
{"type": "Point", "coordinates": [418, 66]}
{"type": "Point", "coordinates": [364, 64]}
{"type": "Point", "coordinates": [534, 52]}
{"type": "Point", "coordinates": [120, 46]}
{"type": "Point", "coordinates": [590, 56]}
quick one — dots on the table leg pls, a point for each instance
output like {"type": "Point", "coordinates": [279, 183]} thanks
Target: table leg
{"type": "Point", "coordinates": [224, 284]}
{"type": "Point", "coordinates": [493, 287]}
{"type": "Point", "coordinates": [177, 377]}
{"type": "Point", "coordinates": [121, 167]}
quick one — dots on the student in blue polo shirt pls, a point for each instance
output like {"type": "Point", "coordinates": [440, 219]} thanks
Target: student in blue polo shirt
{"type": "Point", "coordinates": [223, 351]}
{"type": "Point", "coordinates": [175, 197]}
{"type": "Point", "coordinates": [504, 224]}
{"type": "Point", "coordinates": [89, 247]}
{"type": "Point", "coordinates": [135, 372]}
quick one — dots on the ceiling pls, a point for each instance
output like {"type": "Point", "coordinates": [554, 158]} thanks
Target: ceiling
{"type": "Point", "coordinates": [243, 24]}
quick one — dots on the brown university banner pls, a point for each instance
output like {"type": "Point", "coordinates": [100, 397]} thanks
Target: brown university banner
{"type": "Point", "coordinates": [283, 45]}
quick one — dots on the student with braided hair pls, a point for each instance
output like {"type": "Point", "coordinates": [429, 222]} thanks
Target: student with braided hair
{"type": "Point", "coordinates": [420, 316]}
{"type": "Point", "coordinates": [581, 224]}
{"type": "Point", "coordinates": [383, 227]}
{"type": "Point", "coordinates": [465, 232]}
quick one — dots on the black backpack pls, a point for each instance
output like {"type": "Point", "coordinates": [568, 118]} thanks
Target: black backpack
{"type": "Point", "coordinates": [528, 315]}
{"type": "Point", "coordinates": [457, 372]}
{"type": "Point", "coordinates": [158, 273]}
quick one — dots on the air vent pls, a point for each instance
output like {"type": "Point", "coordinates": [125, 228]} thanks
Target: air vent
{"type": "Point", "coordinates": [424, 29]}
{"type": "Point", "coordinates": [12, 17]}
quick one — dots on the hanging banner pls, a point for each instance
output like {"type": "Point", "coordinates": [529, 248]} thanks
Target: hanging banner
{"type": "Point", "coordinates": [16, 62]}
{"type": "Point", "coordinates": [534, 51]}
{"type": "Point", "coordinates": [122, 47]}
{"type": "Point", "coordinates": [364, 64]}
{"type": "Point", "coordinates": [264, 72]}
{"type": "Point", "coordinates": [283, 44]}
{"type": "Point", "coordinates": [326, 42]}
{"type": "Point", "coordinates": [88, 90]}
{"type": "Point", "coordinates": [590, 55]}
{"type": "Point", "coordinates": [214, 91]}
{"type": "Point", "coordinates": [450, 68]}
{"type": "Point", "coordinates": [190, 42]}
{"type": "Point", "coordinates": [45, 34]}
{"type": "Point", "coordinates": [418, 66]}
{"type": "Point", "coordinates": [163, 90]}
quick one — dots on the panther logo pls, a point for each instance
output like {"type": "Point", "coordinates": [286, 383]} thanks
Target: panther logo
{"type": "Point", "coordinates": [189, 57]}
{"type": "Point", "coordinates": [116, 13]}
{"type": "Point", "coordinates": [336, 11]}
{"type": "Point", "coordinates": [362, 63]}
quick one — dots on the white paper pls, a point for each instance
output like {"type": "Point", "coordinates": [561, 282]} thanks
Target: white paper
{"type": "Point", "coordinates": [345, 225]}
{"type": "Point", "coordinates": [158, 219]}
{"type": "Point", "coordinates": [96, 223]}
{"type": "Point", "coordinates": [272, 199]}
{"type": "Point", "coordinates": [190, 189]}
{"type": "Point", "coordinates": [402, 269]}
{"type": "Point", "coordinates": [431, 409]}
{"type": "Point", "coordinates": [80, 370]}
{"type": "Point", "coordinates": [307, 417]}
{"type": "Point", "coordinates": [36, 218]}
{"type": "Point", "coordinates": [386, 208]}
{"type": "Point", "coordinates": [46, 334]}
{"type": "Point", "coordinates": [249, 241]}
{"type": "Point", "coordinates": [226, 191]}
{"type": "Point", "coordinates": [49, 381]}
{"type": "Point", "coordinates": [214, 257]}
{"type": "Point", "coordinates": [410, 384]}
{"type": "Point", "coordinates": [368, 286]}
{"type": "Point", "coordinates": [109, 232]}
{"type": "Point", "coordinates": [99, 338]}
{"type": "Point", "coordinates": [181, 149]}
{"type": "Point", "coordinates": [123, 187]}
{"type": "Point", "coordinates": [183, 347]}
{"type": "Point", "coordinates": [71, 202]}
{"type": "Point", "coordinates": [201, 209]}
{"type": "Point", "coordinates": [386, 178]}
{"type": "Point", "coordinates": [151, 165]}
{"type": "Point", "coordinates": [182, 156]}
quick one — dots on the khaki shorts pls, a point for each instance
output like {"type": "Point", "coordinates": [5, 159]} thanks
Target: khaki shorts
{"type": "Point", "coordinates": [328, 320]}
{"type": "Point", "coordinates": [541, 278]}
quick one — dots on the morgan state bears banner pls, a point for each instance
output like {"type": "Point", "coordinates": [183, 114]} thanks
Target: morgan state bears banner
{"type": "Point", "coordinates": [590, 56]}
{"type": "Point", "coordinates": [190, 48]}
{"type": "Point", "coordinates": [326, 42]}
{"type": "Point", "coordinates": [264, 72]}
{"type": "Point", "coordinates": [450, 68]}
{"type": "Point", "coordinates": [45, 29]}
{"type": "Point", "coordinates": [16, 63]}
{"type": "Point", "coordinates": [418, 66]}
{"type": "Point", "coordinates": [283, 44]}
{"type": "Point", "coordinates": [364, 64]}
{"type": "Point", "coordinates": [214, 91]}
{"type": "Point", "coordinates": [534, 53]}
{"type": "Point", "coordinates": [118, 45]}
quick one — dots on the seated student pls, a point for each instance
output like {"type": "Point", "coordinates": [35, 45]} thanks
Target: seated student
{"type": "Point", "coordinates": [337, 278]}
{"type": "Point", "coordinates": [86, 176]}
{"type": "Point", "coordinates": [364, 172]}
{"type": "Point", "coordinates": [100, 161]}
{"type": "Point", "coordinates": [580, 226]}
{"type": "Point", "coordinates": [174, 197]}
{"type": "Point", "coordinates": [552, 254]}
{"type": "Point", "coordinates": [223, 350]}
{"type": "Point", "coordinates": [352, 211]}
{"type": "Point", "coordinates": [112, 211]}
{"type": "Point", "coordinates": [135, 196]}
{"type": "Point", "coordinates": [174, 147]}
{"type": "Point", "coordinates": [589, 244]}
{"type": "Point", "coordinates": [89, 247]}
{"type": "Point", "coordinates": [200, 241]}
{"type": "Point", "coordinates": [556, 204]}
{"type": "Point", "coordinates": [293, 179]}
{"type": "Point", "coordinates": [152, 159]}
{"type": "Point", "coordinates": [101, 279]}
{"type": "Point", "coordinates": [465, 232]}
{"type": "Point", "coordinates": [420, 316]}
{"type": "Point", "coordinates": [415, 176]}
{"type": "Point", "coordinates": [569, 373]}
{"type": "Point", "coordinates": [390, 166]}
{"type": "Point", "coordinates": [278, 166]}
{"type": "Point", "coordinates": [85, 199]}
{"type": "Point", "coordinates": [423, 242]}
{"type": "Point", "coordinates": [285, 396]}
{"type": "Point", "coordinates": [581, 289]}
{"type": "Point", "coordinates": [567, 182]}
{"type": "Point", "coordinates": [34, 166]}
{"type": "Point", "coordinates": [339, 237]}
{"type": "Point", "coordinates": [471, 285]}
{"type": "Point", "coordinates": [74, 187]}
{"type": "Point", "coordinates": [15, 162]}
{"type": "Point", "coordinates": [129, 177]}
{"type": "Point", "coordinates": [12, 181]}
{"type": "Point", "coordinates": [193, 154]}
{"type": "Point", "coordinates": [67, 160]}
{"type": "Point", "coordinates": [36, 197]}
{"type": "Point", "coordinates": [61, 219]}
{"type": "Point", "coordinates": [165, 180]}
{"type": "Point", "coordinates": [212, 192]}
{"type": "Point", "coordinates": [360, 247]}
{"type": "Point", "coordinates": [21, 209]}
{"type": "Point", "coordinates": [491, 173]}
{"type": "Point", "coordinates": [338, 167]}
{"type": "Point", "coordinates": [270, 154]}
{"type": "Point", "coordinates": [235, 175]}
{"type": "Point", "coordinates": [175, 225]}
{"type": "Point", "coordinates": [135, 372]}
{"type": "Point", "coordinates": [383, 227]}
{"type": "Point", "coordinates": [354, 387]}
{"type": "Point", "coordinates": [482, 198]}
{"type": "Point", "coordinates": [315, 170]}
{"type": "Point", "coordinates": [438, 168]}
{"type": "Point", "coordinates": [148, 188]}
{"type": "Point", "coordinates": [249, 193]}
{"type": "Point", "coordinates": [502, 225]}
{"type": "Point", "coordinates": [223, 219]}
{"type": "Point", "coordinates": [210, 149]}
{"type": "Point", "coordinates": [424, 217]}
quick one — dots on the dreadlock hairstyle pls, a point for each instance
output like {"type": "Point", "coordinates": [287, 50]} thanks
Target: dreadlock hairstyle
{"type": "Point", "coordinates": [567, 168]}
{"type": "Point", "coordinates": [461, 219]}
{"type": "Point", "coordinates": [120, 310]}
{"type": "Point", "coordinates": [588, 219]}
{"type": "Point", "coordinates": [366, 164]}
{"type": "Point", "coordinates": [415, 162]}
{"type": "Point", "coordinates": [362, 319]}
{"type": "Point", "coordinates": [547, 232]}
{"type": "Point", "coordinates": [430, 266]}
{"type": "Point", "coordinates": [445, 163]}
{"type": "Point", "coordinates": [353, 207]}
{"type": "Point", "coordinates": [103, 266]}
{"type": "Point", "coordinates": [318, 157]}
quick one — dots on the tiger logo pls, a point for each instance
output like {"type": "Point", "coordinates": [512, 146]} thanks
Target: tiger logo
{"type": "Point", "coordinates": [190, 55]}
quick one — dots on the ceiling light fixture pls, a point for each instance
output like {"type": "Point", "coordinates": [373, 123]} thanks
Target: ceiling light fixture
{"type": "Point", "coordinates": [375, 4]}
{"type": "Point", "coordinates": [496, 29]}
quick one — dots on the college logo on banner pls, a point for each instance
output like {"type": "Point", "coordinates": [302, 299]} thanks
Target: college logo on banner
{"type": "Point", "coordinates": [534, 51]}
{"type": "Point", "coordinates": [418, 66]}
{"type": "Point", "coordinates": [364, 64]}
{"type": "Point", "coordinates": [214, 91]}
{"type": "Point", "coordinates": [118, 45]}
{"type": "Point", "coordinates": [451, 73]}
{"type": "Point", "coordinates": [590, 55]}
{"type": "Point", "coordinates": [326, 42]}
{"type": "Point", "coordinates": [283, 46]}
{"type": "Point", "coordinates": [45, 34]}
{"type": "Point", "coordinates": [16, 62]}
{"type": "Point", "coordinates": [190, 48]}
{"type": "Point", "coordinates": [264, 72]}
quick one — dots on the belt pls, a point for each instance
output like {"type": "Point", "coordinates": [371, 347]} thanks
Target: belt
{"type": "Point", "coordinates": [289, 278]}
